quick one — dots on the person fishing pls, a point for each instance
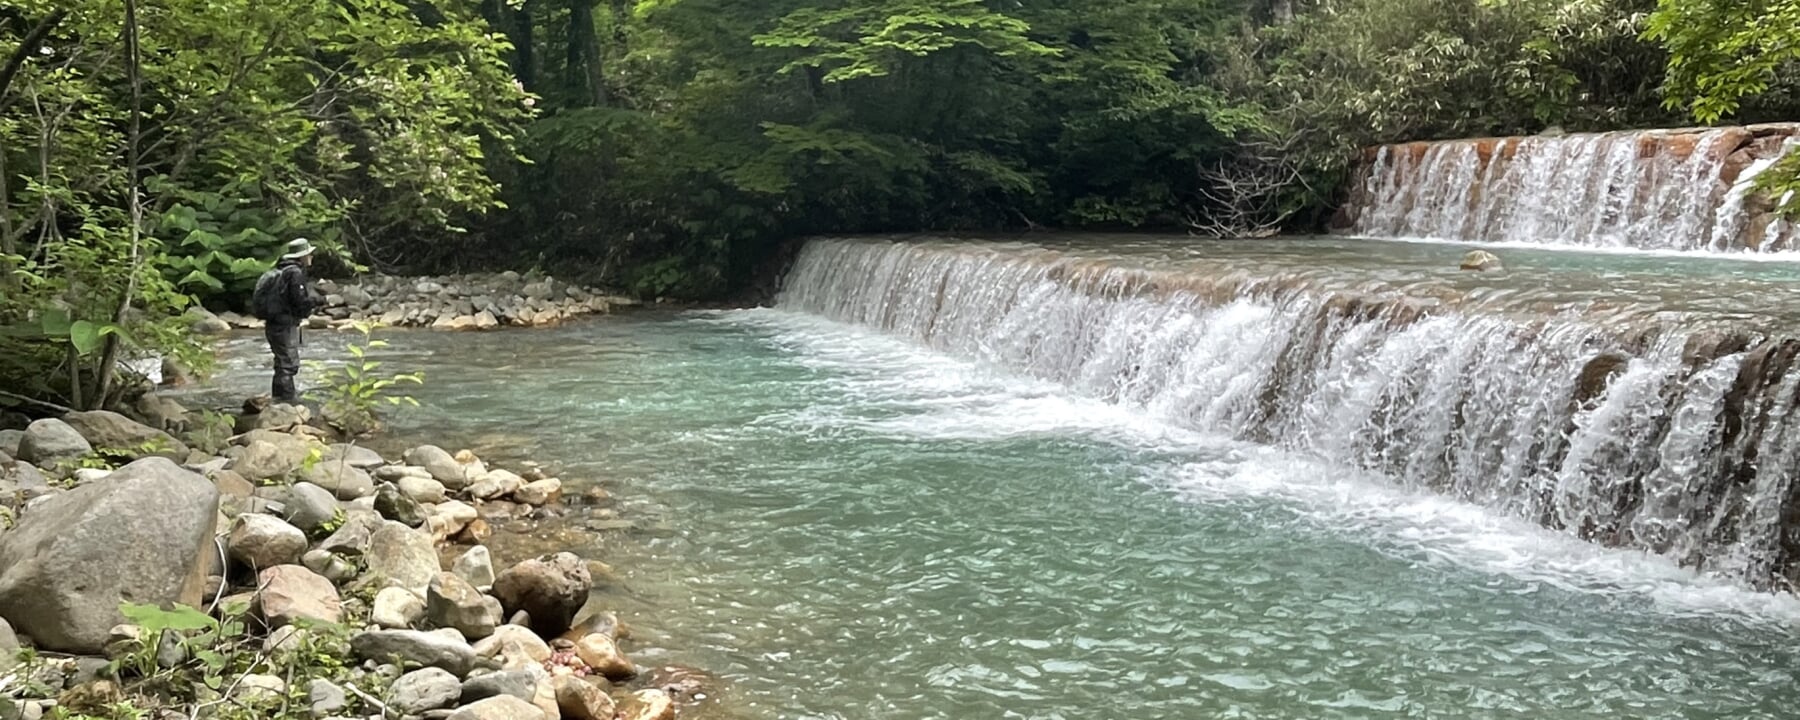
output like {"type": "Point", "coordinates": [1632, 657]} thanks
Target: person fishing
{"type": "Point", "coordinates": [284, 301]}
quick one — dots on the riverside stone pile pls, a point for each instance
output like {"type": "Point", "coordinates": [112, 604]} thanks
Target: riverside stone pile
{"type": "Point", "coordinates": [455, 302]}
{"type": "Point", "coordinates": [328, 561]}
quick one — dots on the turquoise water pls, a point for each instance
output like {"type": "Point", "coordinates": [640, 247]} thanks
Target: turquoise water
{"type": "Point", "coordinates": [843, 525]}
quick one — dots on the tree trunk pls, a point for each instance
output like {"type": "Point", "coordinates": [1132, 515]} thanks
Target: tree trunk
{"type": "Point", "coordinates": [27, 47]}
{"type": "Point", "coordinates": [520, 32]}
{"type": "Point", "coordinates": [109, 357]}
{"type": "Point", "coordinates": [585, 75]}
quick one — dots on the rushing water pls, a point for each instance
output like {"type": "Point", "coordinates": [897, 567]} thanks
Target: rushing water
{"type": "Point", "coordinates": [847, 523]}
{"type": "Point", "coordinates": [1644, 190]}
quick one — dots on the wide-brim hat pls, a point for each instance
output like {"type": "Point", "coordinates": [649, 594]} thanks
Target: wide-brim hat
{"type": "Point", "coordinates": [298, 249]}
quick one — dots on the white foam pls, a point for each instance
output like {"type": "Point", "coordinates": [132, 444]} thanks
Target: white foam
{"type": "Point", "coordinates": [931, 396]}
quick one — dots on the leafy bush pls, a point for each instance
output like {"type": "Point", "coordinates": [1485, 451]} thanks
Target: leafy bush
{"type": "Point", "coordinates": [354, 392]}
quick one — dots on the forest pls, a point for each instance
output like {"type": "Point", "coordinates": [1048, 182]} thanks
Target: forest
{"type": "Point", "coordinates": [155, 153]}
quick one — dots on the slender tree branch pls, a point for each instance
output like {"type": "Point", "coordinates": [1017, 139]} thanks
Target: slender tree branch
{"type": "Point", "coordinates": [30, 44]}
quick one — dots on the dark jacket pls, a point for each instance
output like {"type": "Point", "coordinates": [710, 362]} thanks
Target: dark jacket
{"type": "Point", "coordinates": [296, 299]}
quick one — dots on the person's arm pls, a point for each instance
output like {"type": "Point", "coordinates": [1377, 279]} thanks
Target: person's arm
{"type": "Point", "coordinates": [297, 296]}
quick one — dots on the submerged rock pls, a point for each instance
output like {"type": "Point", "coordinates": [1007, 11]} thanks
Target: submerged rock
{"type": "Point", "coordinates": [1482, 261]}
{"type": "Point", "coordinates": [140, 536]}
{"type": "Point", "coordinates": [647, 705]}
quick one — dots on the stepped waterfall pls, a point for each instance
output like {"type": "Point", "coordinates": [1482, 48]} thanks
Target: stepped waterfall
{"type": "Point", "coordinates": [1669, 436]}
{"type": "Point", "coordinates": [1682, 190]}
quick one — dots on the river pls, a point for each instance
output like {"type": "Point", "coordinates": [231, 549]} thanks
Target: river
{"type": "Point", "coordinates": [845, 519]}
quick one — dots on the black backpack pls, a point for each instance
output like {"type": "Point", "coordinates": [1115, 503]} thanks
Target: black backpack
{"type": "Point", "coordinates": [267, 302]}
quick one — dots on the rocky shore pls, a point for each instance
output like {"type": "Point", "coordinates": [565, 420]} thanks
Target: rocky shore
{"type": "Point", "coordinates": [176, 568]}
{"type": "Point", "coordinates": [451, 302]}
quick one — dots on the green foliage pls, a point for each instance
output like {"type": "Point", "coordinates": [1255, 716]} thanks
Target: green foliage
{"type": "Point", "coordinates": [1729, 58]}
{"type": "Point", "coordinates": [354, 392]}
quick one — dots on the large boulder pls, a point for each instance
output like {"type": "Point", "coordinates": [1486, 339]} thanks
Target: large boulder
{"type": "Point", "coordinates": [404, 557]}
{"type": "Point", "coordinates": [289, 592]}
{"type": "Point", "coordinates": [451, 602]}
{"type": "Point", "coordinates": [49, 441]}
{"type": "Point", "coordinates": [120, 435]}
{"type": "Point", "coordinates": [142, 536]}
{"type": "Point", "coordinates": [550, 589]}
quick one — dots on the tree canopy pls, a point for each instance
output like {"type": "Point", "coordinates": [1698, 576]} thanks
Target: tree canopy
{"type": "Point", "coordinates": [672, 147]}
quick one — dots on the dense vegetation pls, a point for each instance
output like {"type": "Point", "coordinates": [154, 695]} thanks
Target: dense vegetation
{"type": "Point", "coordinates": [152, 154]}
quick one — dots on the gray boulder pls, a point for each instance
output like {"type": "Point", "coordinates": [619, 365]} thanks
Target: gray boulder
{"type": "Point", "coordinates": [326, 699]}
{"type": "Point", "coordinates": [309, 507]}
{"type": "Point", "coordinates": [403, 556]}
{"type": "Point", "coordinates": [355, 456]}
{"type": "Point", "coordinates": [264, 541]}
{"type": "Point", "coordinates": [550, 589]}
{"type": "Point", "coordinates": [416, 648]}
{"type": "Point", "coordinates": [397, 609]}
{"type": "Point", "coordinates": [504, 707]}
{"type": "Point", "coordinates": [126, 437]}
{"type": "Point", "coordinates": [421, 690]}
{"type": "Point", "coordinates": [354, 536]}
{"type": "Point", "coordinates": [395, 505]}
{"type": "Point", "coordinates": [140, 536]}
{"type": "Point", "coordinates": [441, 464]}
{"type": "Point", "coordinates": [521, 684]}
{"type": "Point", "coordinates": [263, 460]}
{"type": "Point", "coordinates": [49, 441]}
{"type": "Point", "coordinates": [345, 481]}
{"type": "Point", "coordinates": [451, 602]}
{"type": "Point", "coordinates": [275, 417]}
{"type": "Point", "coordinates": [9, 441]}
{"type": "Point", "coordinates": [475, 566]}
{"type": "Point", "coordinates": [422, 489]}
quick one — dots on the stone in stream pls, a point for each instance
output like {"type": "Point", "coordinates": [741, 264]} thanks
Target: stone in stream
{"type": "Point", "coordinates": [49, 441]}
{"type": "Point", "coordinates": [647, 705]}
{"type": "Point", "coordinates": [1482, 261]}
{"type": "Point", "coordinates": [495, 484]}
{"type": "Point", "coordinates": [140, 536]}
{"type": "Point", "coordinates": [475, 566]}
{"type": "Point", "coordinates": [397, 506]}
{"type": "Point", "coordinates": [451, 602]}
{"type": "Point", "coordinates": [421, 690]}
{"type": "Point", "coordinates": [397, 608]}
{"type": "Point", "coordinates": [263, 541]}
{"type": "Point", "coordinates": [604, 657]}
{"type": "Point", "coordinates": [403, 556]}
{"type": "Point", "coordinates": [550, 589]}
{"type": "Point", "coordinates": [290, 592]}
{"type": "Point", "coordinates": [541, 492]}
{"type": "Point", "coordinates": [504, 707]}
{"type": "Point", "coordinates": [441, 649]}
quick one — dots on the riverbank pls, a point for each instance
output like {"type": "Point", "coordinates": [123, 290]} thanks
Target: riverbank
{"type": "Point", "coordinates": [318, 579]}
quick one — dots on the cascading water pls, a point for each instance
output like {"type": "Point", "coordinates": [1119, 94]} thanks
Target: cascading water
{"type": "Point", "coordinates": [1671, 437]}
{"type": "Point", "coordinates": [1651, 190]}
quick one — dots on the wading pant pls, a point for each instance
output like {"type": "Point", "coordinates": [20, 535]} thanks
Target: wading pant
{"type": "Point", "coordinates": [284, 343]}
